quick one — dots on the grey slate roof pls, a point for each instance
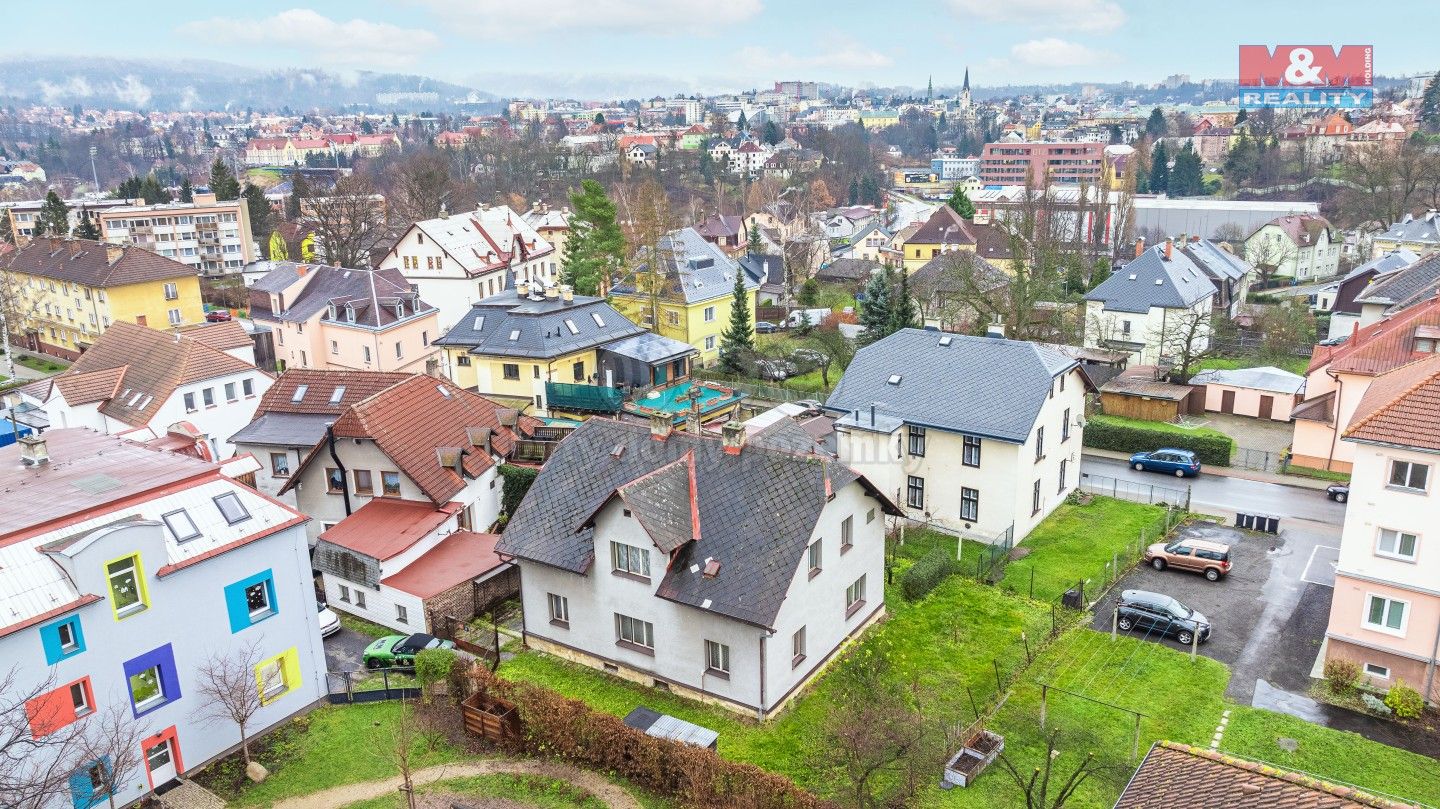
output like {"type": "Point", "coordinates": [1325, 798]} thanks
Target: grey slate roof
{"type": "Point", "coordinates": [765, 270]}
{"type": "Point", "coordinates": [698, 270]}
{"type": "Point", "coordinates": [757, 511]}
{"type": "Point", "coordinates": [848, 270]}
{"type": "Point", "coordinates": [1421, 230]}
{"type": "Point", "coordinates": [371, 294]}
{"type": "Point", "coordinates": [1405, 287]}
{"type": "Point", "coordinates": [1384, 265]}
{"type": "Point", "coordinates": [543, 326]}
{"type": "Point", "coordinates": [985, 386]}
{"type": "Point", "coordinates": [284, 430]}
{"type": "Point", "coordinates": [1221, 265]}
{"type": "Point", "coordinates": [662, 502]}
{"type": "Point", "coordinates": [1263, 378]}
{"type": "Point", "coordinates": [1133, 288]}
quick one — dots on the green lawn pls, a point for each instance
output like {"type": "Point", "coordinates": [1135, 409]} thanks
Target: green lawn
{"type": "Point", "coordinates": [1318, 474]}
{"type": "Point", "coordinates": [1295, 365]}
{"type": "Point", "coordinates": [363, 626]}
{"type": "Point", "coordinates": [1078, 542]}
{"type": "Point", "coordinates": [531, 790]}
{"type": "Point", "coordinates": [47, 365]}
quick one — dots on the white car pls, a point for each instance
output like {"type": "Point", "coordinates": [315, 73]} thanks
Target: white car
{"type": "Point", "coordinates": [329, 621]}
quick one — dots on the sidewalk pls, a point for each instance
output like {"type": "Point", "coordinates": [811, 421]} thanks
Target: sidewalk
{"type": "Point", "coordinates": [612, 795]}
{"type": "Point", "coordinates": [1296, 481]}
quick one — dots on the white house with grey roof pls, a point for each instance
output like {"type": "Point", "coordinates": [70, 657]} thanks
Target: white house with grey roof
{"type": "Point", "coordinates": [729, 569]}
{"type": "Point", "coordinates": [1152, 306]}
{"type": "Point", "coordinates": [978, 434]}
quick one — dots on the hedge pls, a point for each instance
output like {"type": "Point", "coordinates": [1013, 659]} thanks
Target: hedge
{"type": "Point", "coordinates": [1104, 433]}
{"type": "Point", "coordinates": [517, 483]}
{"type": "Point", "coordinates": [927, 572]}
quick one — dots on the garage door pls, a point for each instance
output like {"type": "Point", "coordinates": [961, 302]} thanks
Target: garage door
{"type": "Point", "coordinates": [1227, 401]}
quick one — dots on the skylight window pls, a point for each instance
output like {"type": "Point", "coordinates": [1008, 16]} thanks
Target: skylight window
{"type": "Point", "coordinates": [479, 322]}
{"type": "Point", "coordinates": [299, 394]}
{"type": "Point", "coordinates": [180, 525]}
{"type": "Point", "coordinates": [144, 403]}
{"type": "Point", "coordinates": [946, 340]}
{"type": "Point", "coordinates": [135, 398]}
{"type": "Point", "coordinates": [894, 379]}
{"type": "Point", "coordinates": [599, 321]}
{"type": "Point", "coordinates": [231, 508]}
{"type": "Point", "coordinates": [337, 394]}
{"type": "Point", "coordinates": [444, 391]}
{"type": "Point", "coordinates": [570, 324]}
{"type": "Point", "coordinates": [514, 335]}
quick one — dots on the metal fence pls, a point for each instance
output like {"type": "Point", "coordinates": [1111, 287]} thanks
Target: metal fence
{"type": "Point", "coordinates": [991, 560]}
{"type": "Point", "coordinates": [1133, 491]}
{"type": "Point", "coordinates": [769, 393]}
{"type": "Point", "coordinates": [1260, 460]}
{"type": "Point", "coordinates": [370, 685]}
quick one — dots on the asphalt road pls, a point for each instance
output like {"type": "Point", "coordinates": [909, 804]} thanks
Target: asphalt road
{"type": "Point", "coordinates": [1223, 496]}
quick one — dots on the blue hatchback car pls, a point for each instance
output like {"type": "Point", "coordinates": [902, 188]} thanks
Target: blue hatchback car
{"type": "Point", "coordinates": [1180, 462]}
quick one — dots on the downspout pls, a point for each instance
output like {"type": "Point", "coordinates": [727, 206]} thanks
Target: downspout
{"type": "Point", "coordinates": [1335, 433]}
{"type": "Point", "coordinates": [344, 475]}
{"type": "Point", "coordinates": [760, 709]}
{"type": "Point", "coordinates": [1430, 666]}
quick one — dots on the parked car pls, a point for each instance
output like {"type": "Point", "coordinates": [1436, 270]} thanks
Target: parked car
{"type": "Point", "coordinates": [764, 327]}
{"type": "Point", "coordinates": [329, 621]}
{"type": "Point", "coordinates": [1197, 555]}
{"type": "Point", "coordinates": [399, 650]}
{"type": "Point", "coordinates": [810, 357]}
{"type": "Point", "coordinates": [1180, 462]}
{"type": "Point", "coordinates": [807, 318]}
{"type": "Point", "coordinates": [1339, 492]}
{"type": "Point", "coordinates": [1161, 614]}
{"type": "Point", "coordinates": [219, 316]}
{"type": "Point", "coordinates": [773, 369]}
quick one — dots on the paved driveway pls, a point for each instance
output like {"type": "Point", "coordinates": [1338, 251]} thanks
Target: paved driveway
{"type": "Point", "coordinates": [343, 650]}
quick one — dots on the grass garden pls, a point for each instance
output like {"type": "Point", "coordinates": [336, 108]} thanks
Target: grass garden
{"type": "Point", "coordinates": [1295, 365]}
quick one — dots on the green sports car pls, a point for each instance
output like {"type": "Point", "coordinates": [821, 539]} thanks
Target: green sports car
{"type": "Point", "coordinates": [398, 651]}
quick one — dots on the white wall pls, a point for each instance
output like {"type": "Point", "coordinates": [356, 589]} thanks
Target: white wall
{"type": "Point", "coordinates": [449, 288]}
{"type": "Point", "coordinates": [1374, 505]}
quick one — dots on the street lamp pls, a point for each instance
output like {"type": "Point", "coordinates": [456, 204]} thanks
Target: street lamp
{"type": "Point", "coordinates": [93, 175]}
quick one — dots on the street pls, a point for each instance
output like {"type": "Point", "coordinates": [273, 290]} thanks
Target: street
{"type": "Point", "coordinates": [1223, 496]}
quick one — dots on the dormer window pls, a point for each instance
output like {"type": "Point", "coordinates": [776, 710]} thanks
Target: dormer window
{"type": "Point", "coordinates": [332, 312]}
{"type": "Point", "coordinates": [349, 313]}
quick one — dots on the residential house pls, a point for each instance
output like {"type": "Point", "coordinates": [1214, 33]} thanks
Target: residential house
{"type": "Point", "coordinates": [769, 272]}
{"type": "Point", "coordinates": [850, 273]}
{"type": "Point", "coordinates": [867, 242]}
{"type": "Point", "coordinates": [979, 434]}
{"type": "Point", "coordinates": [122, 571]}
{"type": "Point", "coordinates": [1385, 611]}
{"type": "Point", "coordinates": [1230, 274]}
{"type": "Point", "coordinates": [346, 320]}
{"type": "Point", "coordinates": [1417, 234]}
{"type": "Point", "coordinates": [210, 236]}
{"type": "Point", "coordinates": [1301, 247]}
{"type": "Point", "coordinates": [729, 570]}
{"type": "Point", "coordinates": [537, 346]}
{"type": "Point", "coordinates": [70, 291]}
{"type": "Point", "coordinates": [945, 288]}
{"type": "Point", "coordinates": [692, 303]}
{"type": "Point", "coordinates": [943, 232]}
{"type": "Point", "coordinates": [749, 158]}
{"type": "Point", "coordinates": [139, 383]}
{"type": "Point", "coordinates": [455, 260]}
{"type": "Point", "coordinates": [1339, 376]}
{"type": "Point", "coordinates": [1340, 298]}
{"type": "Point", "coordinates": [1155, 307]}
{"type": "Point", "coordinates": [726, 232]}
{"type": "Point", "coordinates": [641, 154]}
{"type": "Point", "coordinates": [553, 225]}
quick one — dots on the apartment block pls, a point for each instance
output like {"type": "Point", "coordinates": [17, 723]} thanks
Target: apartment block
{"type": "Point", "coordinates": [209, 235]}
{"type": "Point", "coordinates": [1022, 163]}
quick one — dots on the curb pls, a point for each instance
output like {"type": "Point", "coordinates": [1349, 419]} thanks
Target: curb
{"type": "Point", "coordinates": [1227, 472]}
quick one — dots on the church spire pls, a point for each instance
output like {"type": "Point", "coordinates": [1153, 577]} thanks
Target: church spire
{"type": "Point", "coordinates": [966, 86]}
{"type": "Point", "coordinates": [930, 89]}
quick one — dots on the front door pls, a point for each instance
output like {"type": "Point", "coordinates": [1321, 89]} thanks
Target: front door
{"type": "Point", "coordinates": [659, 374]}
{"type": "Point", "coordinates": [1227, 401]}
{"type": "Point", "coordinates": [160, 761]}
{"type": "Point", "coordinates": [1267, 405]}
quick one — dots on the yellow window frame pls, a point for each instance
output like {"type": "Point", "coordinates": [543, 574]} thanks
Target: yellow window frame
{"type": "Point", "coordinates": [289, 663]}
{"type": "Point", "coordinates": [144, 590]}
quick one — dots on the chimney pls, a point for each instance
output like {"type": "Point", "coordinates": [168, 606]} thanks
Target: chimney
{"type": "Point", "coordinates": [1169, 249]}
{"type": "Point", "coordinates": [552, 293]}
{"type": "Point", "coordinates": [33, 451]}
{"type": "Point", "coordinates": [660, 426]}
{"type": "Point", "coordinates": [567, 293]}
{"type": "Point", "coordinates": [1194, 239]}
{"type": "Point", "coordinates": [732, 437]}
{"type": "Point", "coordinates": [522, 288]}
{"type": "Point", "coordinates": [301, 269]}
{"type": "Point", "coordinates": [113, 252]}
{"type": "Point", "coordinates": [1139, 246]}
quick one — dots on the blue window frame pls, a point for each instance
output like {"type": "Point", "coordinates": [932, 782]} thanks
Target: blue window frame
{"type": "Point", "coordinates": [87, 783]}
{"type": "Point", "coordinates": [62, 639]}
{"type": "Point", "coordinates": [251, 600]}
{"type": "Point", "coordinates": [153, 680]}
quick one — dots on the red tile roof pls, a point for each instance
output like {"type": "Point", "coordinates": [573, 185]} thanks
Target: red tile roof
{"type": "Point", "coordinates": [223, 336]}
{"type": "Point", "coordinates": [386, 526]}
{"type": "Point", "coordinates": [86, 388]}
{"type": "Point", "coordinates": [461, 557]}
{"type": "Point", "coordinates": [1382, 346]}
{"type": "Point", "coordinates": [80, 261]}
{"type": "Point", "coordinates": [943, 227]}
{"type": "Point", "coordinates": [1401, 407]}
{"type": "Point", "coordinates": [320, 386]}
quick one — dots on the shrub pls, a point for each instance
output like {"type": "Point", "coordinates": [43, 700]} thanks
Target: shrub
{"type": "Point", "coordinates": [927, 572]}
{"type": "Point", "coordinates": [1375, 705]}
{"type": "Point", "coordinates": [433, 666]}
{"type": "Point", "coordinates": [1123, 436]}
{"type": "Point", "coordinates": [517, 482]}
{"type": "Point", "coordinates": [1341, 675]}
{"type": "Point", "coordinates": [1405, 701]}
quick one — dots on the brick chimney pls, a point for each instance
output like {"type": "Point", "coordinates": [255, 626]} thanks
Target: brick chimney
{"type": "Point", "coordinates": [732, 437]}
{"type": "Point", "coordinates": [661, 426]}
{"type": "Point", "coordinates": [113, 252]}
{"type": "Point", "coordinates": [33, 451]}
{"type": "Point", "coordinates": [1169, 249]}
{"type": "Point", "coordinates": [1139, 246]}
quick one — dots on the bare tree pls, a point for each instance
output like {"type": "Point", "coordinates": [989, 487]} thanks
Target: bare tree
{"type": "Point", "coordinates": [649, 220]}
{"type": "Point", "coordinates": [1046, 786]}
{"type": "Point", "coordinates": [878, 735]}
{"type": "Point", "coordinates": [229, 690]}
{"type": "Point", "coordinates": [110, 745]}
{"type": "Point", "coordinates": [1270, 255]}
{"type": "Point", "coordinates": [967, 293]}
{"type": "Point", "coordinates": [1184, 336]}
{"type": "Point", "coordinates": [1122, 221]}
{"type": "Point", "coordinates": [34, 768]}
{"type": "Point", "coordinates": [831, 351]}
{"type": "Point", "coordinates": [419, 185]}
{"type": "Point", "coordinates": [1387, 183]}
{"type": "Point", "coordinates": [347, 222]}
{"type": "Point", "coordinates": [399, 749]}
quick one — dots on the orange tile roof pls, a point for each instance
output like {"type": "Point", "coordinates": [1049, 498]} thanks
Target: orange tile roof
{"type": "Point", "coordinates": [80, 261]}
{"type": "Point", "coordinates": [1401, 407]}
{"type": "Point", "coordinates": [1382, 346]}
{"type": "Point", "coordinates": [320, 386]}
{"type": "Point", "coordinates": [459, 558]}
{"type": "Point", "coordinates": [386, 526]}
{"type": "Point", "coordinates": [95, 386]}
{"type": "Point", "coordinates": [223, 336]}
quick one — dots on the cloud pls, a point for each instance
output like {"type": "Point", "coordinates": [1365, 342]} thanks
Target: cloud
{"type": "Point", "coordinates": [133, 91]}
{"type": "Point", "coordinates": [498, 19]}
{"type": "Point", "coordinates": [1069, 15]}
{"type": "Point", "coordinates": [335, 43]}
{"type": "Point", "coordinates": [1053, 52]}
{"type": "Point", "coordinates": [836, 54]}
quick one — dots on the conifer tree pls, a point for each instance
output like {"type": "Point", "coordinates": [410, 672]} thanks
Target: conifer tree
{"type": "Point", "coordinates": [737, 342]}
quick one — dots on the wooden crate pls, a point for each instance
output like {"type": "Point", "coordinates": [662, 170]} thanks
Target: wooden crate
{"type": "Point", "coordinates": [492, 719]}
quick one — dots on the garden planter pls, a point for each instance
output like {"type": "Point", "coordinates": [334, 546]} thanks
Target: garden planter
{"type": "Point", "coordinates": [977, 754]}
{"type": "Point", "coordinates": [492, 719]}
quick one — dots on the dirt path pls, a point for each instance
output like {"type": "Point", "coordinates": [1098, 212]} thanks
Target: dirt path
{"type": "Point", "coordinates": [612, 795]}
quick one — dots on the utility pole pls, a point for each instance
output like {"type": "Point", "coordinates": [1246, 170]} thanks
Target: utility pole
{"type": "Point", "coordinates": [93, 175]}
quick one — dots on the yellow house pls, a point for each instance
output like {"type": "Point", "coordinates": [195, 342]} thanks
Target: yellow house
{"type": "Point", "coordinates": [879, 119]}
{"type": "Point", "coordinates": [943, 232]}
{"type": "Point", "coordinates": [695, 295]}
{"type": "Point", "coordinates": [71, 290]}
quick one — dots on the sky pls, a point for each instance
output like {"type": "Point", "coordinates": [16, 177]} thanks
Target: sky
{"type": "Point", "coordinates": [623, 48]}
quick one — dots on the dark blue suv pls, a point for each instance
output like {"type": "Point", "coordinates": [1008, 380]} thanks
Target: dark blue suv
{"type": "Point", "coordinates": [1179, 462]}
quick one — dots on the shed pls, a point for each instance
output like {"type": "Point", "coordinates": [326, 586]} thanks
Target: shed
{"type": "Point", "coordinates": [1265, 392]}
{"type": "Point", "coordinates": [1137, 394]}
{"type": "Point", "coordinates": [663, 726]}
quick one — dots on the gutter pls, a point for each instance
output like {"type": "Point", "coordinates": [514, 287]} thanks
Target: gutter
{"type": "Point", "coordinates": [344, 475]}
{"type": "Point", "coordinates": [1335, 434]}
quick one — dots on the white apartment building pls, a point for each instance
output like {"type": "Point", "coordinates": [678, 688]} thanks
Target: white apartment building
{"type": "Point", "coordinates": [212, 236]}
{"type": "Point", "coordinates": [1152, 307]}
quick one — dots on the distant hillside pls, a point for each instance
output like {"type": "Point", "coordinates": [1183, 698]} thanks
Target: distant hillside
{"type": "Point", "coordinates": [199, 84]}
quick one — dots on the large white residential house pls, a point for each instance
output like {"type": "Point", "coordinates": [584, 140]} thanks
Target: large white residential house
{"type": "Point", "coordinates": [1152, 307]}
{"type": "Point", "coordinates": [123, 570]}
{"type": "Point", "coordinates": [457, 259]}
{"type": "Point", "coordinates": [1303, 247]}
{"type": "Point", "coordinates": [978, 434]}
{"type": "Point", "coordinates": [728, 569]}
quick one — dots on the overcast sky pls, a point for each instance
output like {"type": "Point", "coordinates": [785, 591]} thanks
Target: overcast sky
{"type": "Point", "coordinates": [629, 47]}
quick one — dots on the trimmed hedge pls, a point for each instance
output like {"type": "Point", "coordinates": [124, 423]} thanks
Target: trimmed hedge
{"type": "Point", "coordinates": [517, 482]}
{"type": "Point", "coordinates": [1104, 433]}
{"type": "Point", "coordinates": [927, 572]}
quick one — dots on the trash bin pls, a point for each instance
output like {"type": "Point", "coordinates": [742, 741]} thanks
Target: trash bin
{"type": "Point", "coordinates": [1240, 519]}
{"type": "Point", "coordinates": [1072, 599]}
{"type": "Point", "coordinates": [1272, 525]}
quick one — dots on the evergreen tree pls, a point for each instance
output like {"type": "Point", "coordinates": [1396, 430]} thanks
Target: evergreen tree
{"type": "Point", "coordinates": [875, 316]}
{"type": "Point", "coordinates": [54, 216]}
{"type": "Point", "coordinates": [599, 119]}
{"type": "Point", "coordinates": [596, 245]}
{"type": "Point", "coordinates": [854, 190]}
{"type": "Point", "coordinates": [869, 191]}
{"type": "Point", "coordinates": [960, 203]}
{"type": "Point", "coordinates": [151, 192]}
{"type": "Point", "coordinates": [299, 189]}
{"type": "Point", "coordinates": [223, 182]}
{"type": "Point", "coordinates": [87, 229]}
{"type": "Point", "coordinates": [259, 210]}
{"type": "Point", "coordinates": [128, 189]}
{"type": "Point", "coordinates": [754, 245]}
{"type": "Point", "coordinates": [1159, 170]}
{"type": "Point", "coordinates": [279, 250]}
{"type": "Point", "coordinates": [187, 191]}
{"type": "Point", "coordinates": [1429, 113]}
{"type": "Point", "coordinates": [1186, 179]}
{"type": "Point", "coordinates": [1243, 161]}
{"type": "Point", "coordinates": [1241, 116]}
{"type": "Point", "coordinates": [7, 233]}
{"type": "Point", "coordinates": [742, 124]}
{"type": "Point", "coordinates": [902, 307]}
{"type": "Point", "coordinates": [1155, 125]}
{"type": "Point", "coordinates": [772, 133]}
{"type": "Point", "coordinates": [366, 128]}
{"type": "Point", "coordinates": [737, 341]}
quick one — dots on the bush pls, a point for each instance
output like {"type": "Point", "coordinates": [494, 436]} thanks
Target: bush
{"type": "Point", "coordinates": [927, 572]}
{"type": "Point", "coordinates": [1405, 701]}
{"type": "Point", "coordinates": [1341, 675]}
{"type": "Point", "coordinates": [433, 666]}
{"type": "Point", "coordinates": [1375, 705]}
{"type": "Point", "coordinates": [517, 482]}
{"type": "Point", "coordinates": [1123, 436]}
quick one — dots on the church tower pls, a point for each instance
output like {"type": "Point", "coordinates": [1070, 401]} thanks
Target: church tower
{"type": "Point", "coordinates": [965, 91]}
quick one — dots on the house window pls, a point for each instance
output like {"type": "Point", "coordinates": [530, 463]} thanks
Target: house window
{"type": "Point", "coordinates": [917, 440]}
{"type": "Point", "coordinates": [709, 342]}
{"type": "Point", "coordinates": [1409, 475]}
{"type": "Point", "coordinates": [634, 632]}
{"type": "Point", "coordinates": [175, 318]}
{"type": "Point", "coordinates": [334, 480]}
{"type": "Point", "coordinates": [1061, 490]}
{"type": "Point", "coordinates": [970, 451]}
{"type": "Point", "coordinates": [231, 508]}
{"type": "Point", "coordinates": [208, 397]}
{"type": "Point", "coordinates": [854, 596]}
{"type": "Point", "coordinates": [365, 351]}
{"type": "Point", "coordinates": [401, 614]}
{"type": "Point", "coordinates": [280, 464]}
{"type": "Point", "coordinates": [1039, 444]}
{"type": "Point", "coordinates": [1065, 424]}
{"type": "Point", "coordinates": [812, 557]}
{"type": "Point", "coordinates": [1377, 670]}
{"type": "Point", "coordinates": [247, 388]}
{"type": "Point", "coordinates": [80, 698]}
{"type": "Point", "coordinates": [559, 609]}
{"type": "Point", "coordinates": [464, 360]}
{"type": "Point", "coordinates": [1125, 328]}
{"type": "Point", "coordinates": [390, 484]}
{"type": "Point", "coordinates": [62, 639]}
{"type": "Point", "coordinates": [578, 371]}
{"type": "Point", "coordinates": [363, 483]}
{"type": "Point", "coordinates": [345, 594]}
{"type": "Point", "coordinates": [797, 647]}
{"type": "Point", "coordinates": [1396, 544]}
{"type": "Point", "coordinates": [127, 586]}
{"type": "Point", "coordinates": [915, 492]}
{"type": "Point", "coordinates": [146, 689]}
{"type": "Point", "coordinates": [190, 403]}
{"type": "Point", "coordinates": [171, 292]}
{"type": "Point", "coordinates": [230, 392]}
{"type": "Point", "coordinates": [399, 350]}
{"type": "Point", "coordinates": [969, 504]}
{"type": "Point", "coordinates": [847, 533]}
{"type": "Point", "coordinates": [709, 314]}
{"type": "Point", "coordinates": [278, 675]}
{"type": "Point", "coordinates": [870, 516]}
{"type": "Point", "coordinates": [511, 371]}
{"type": "Point", "coordinates": [1035, 498]}
{"type": "Point", "coordinates": [360, 599]}
{"type": "Point", "coordinates": [1385, 614]}
{"type": "Point", "coordinates": [672, 318]}
{"type": "Point", "coordinates": [629, 559]}
{"type": "Point", "coordinates": [334, 346]}
{"type": "Point", "coordinates": [250, 600]}
{"type": "Point", "coordinates": [717, 658]}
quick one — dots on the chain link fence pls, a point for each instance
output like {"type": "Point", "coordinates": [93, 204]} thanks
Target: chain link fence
{"type": "Point", "coordinates": [1133, 491]}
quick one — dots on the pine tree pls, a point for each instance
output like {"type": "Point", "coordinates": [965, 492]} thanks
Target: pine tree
{"type": "Point", "coordinates": [772, 133]}
{"type": "Point", "coordinates": [596, 245]}
{"type": "Point", "coordinates": [151, 192]}
{"type": "Point", "coordinates": [187, 191]}
{"type": "Point", "coordinates": [854, 191]}
{"type": "Point", "coordinates": [222, 181]}
{"type": "Point", "coordinates": [876, 316]}
{"type": "Point", "coordinates": [754, 245]}
{"type": "Point", "coordinates": [7, 232]}
{"type": "Point", "coordinates": [902, 307]}
{"type": "Point", "coordinates": [1155, 125]}
{"type": "Point", "coordinates": [742, 124]}
{"type": "Point", "coordinates": [54, 216]}
{"type": "Point", "coordinates": [737, 342]}
{"type": "Point", "coordinates": [960, 204]}
{"type": "Point", "coordinates": [299, 189]}
{"type": "Point", "coordinates": [1241, 116]}
{"type": "Point", "coordinates": [599, 119]}
{"type": "Point", "coordinates": [1430, 106]}
{"type": "Point", "coordinates": [1186, 179]}
{"type": "Point", "coordinates": [86, 229]}
{"type": "Point", "coordinates": [259, 210]}
{"type": "Point", "coordinates": [1159, 170]}
{"type": "Point", "coordinates": [128, 189]}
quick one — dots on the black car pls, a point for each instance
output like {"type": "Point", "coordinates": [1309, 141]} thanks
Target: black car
{"type": "Point", "coordinates": [1339, 492]}
{"type": "Point", "coordinates": [1156, 613]}
{"type": "Point", "coordinates": [764, 327]}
